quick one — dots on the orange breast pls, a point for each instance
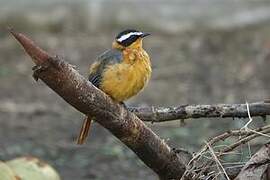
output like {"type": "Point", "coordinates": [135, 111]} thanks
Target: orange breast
{"type": "Point", "coordinates": [122, 81]}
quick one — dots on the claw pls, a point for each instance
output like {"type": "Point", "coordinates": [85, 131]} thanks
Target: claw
{"type": "Point", "coordinates": [36, 69]}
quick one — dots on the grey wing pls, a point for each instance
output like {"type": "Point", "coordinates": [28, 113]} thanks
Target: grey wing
{"type": "Point", "coordinates": [109, 57]}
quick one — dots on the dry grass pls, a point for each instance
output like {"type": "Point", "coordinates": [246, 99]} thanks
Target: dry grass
{"type": "Point", "coordinates": [202, 165]}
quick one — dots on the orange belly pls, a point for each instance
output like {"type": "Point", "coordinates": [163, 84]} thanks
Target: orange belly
{"type": "Point", "coordinates": [122, 81]}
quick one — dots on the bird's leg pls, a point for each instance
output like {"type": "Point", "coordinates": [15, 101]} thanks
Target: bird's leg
{"type": "Point", "coordinates": [84, 130]}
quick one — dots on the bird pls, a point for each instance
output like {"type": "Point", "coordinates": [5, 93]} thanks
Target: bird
{"type": "Point", "coordinates": [121, 72]}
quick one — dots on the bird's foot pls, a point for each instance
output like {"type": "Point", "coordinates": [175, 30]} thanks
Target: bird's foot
{"type": "Point", "coordinates": [124, 105]}
{"type": "Point", "coordinates": [37, 70]}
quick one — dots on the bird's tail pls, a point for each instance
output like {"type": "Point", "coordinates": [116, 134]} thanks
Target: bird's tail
{"type": "Point", "coordinates": [84, 130]}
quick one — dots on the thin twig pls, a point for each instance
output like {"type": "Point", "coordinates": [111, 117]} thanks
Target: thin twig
{"type": "Point", "coordinates": [249, 117]}
{"type": "Point", "coordinates": [228, 134]}
{"type": "Point", "coordinates": [245, 136]}
{"type": "Point", "coordinates": [243, 141]}
{"type": "Point", "coordinates": [161, 114]}
{"type": "Point", "coordinates": [217, 160]}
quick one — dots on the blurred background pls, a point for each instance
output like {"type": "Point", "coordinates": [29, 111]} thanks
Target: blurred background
{"type": "Point", "coordinates": [203, 52]}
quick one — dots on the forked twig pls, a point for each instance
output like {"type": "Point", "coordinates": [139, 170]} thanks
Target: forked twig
{"type": "Point", "coordinates": [217, 160]}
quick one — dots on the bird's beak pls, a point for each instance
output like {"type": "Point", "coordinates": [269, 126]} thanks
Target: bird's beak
{"type": "Point", "coordinates": [145, 34]}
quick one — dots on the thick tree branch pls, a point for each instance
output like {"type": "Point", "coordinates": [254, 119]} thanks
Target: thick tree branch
{"type": "Point", "coordinates": [156, 114]}
{"type": "Point", "coordinates": [86, 98]}
{"type": "Point", "coordinates": [161, 114]}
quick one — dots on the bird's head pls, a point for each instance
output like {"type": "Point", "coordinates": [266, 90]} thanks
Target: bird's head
{"type": "Point", "coordinates": [129, 38]}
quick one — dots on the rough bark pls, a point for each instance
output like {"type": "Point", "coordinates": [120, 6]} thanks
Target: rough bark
{"type": "Point", "coordinates": [161, 114]}
{"type": "Point", "coordinates": [86, 98]}
{"type": "Point", "coordinates": [158, 114]}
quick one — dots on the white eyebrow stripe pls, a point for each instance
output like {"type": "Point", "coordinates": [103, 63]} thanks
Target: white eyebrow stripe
{"type": "Point", "coordinates": [126, 36]}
